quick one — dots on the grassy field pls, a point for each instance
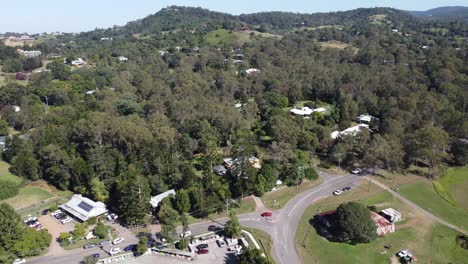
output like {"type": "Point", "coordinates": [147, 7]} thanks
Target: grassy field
{"type": "Point", "coordinates": [455, 183]}
{"type": "Point", "coordinates": [247, 205]}
{"type": "Point", "coordinates": [5, 175]}
{"type": "Point", "coordinates": [223, 36]}
{"type": "Point", "coordinates": [28, 196]}
{"type": "Point", "coordinates": [429, 242]}
{"type": "Point", "coordinates": [333, 44]}
{"type": "Point", "coordinates": [424, 195]}
{"type": "Point", "coordinates": [277, 199]}
{"type": "Point", "coordinates": [264, 240]}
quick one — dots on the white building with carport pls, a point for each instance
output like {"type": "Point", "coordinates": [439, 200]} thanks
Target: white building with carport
{"type": "Point", "coordinates": [83, 208]}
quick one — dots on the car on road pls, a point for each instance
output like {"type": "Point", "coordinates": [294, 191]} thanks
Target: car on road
{"type": "Point", "coordinates": [220, 243]}
{"type": "Point", "coordinates": [114, 251]}
{"type": "Point", "coordinates": [66, 220]}
{"type": "Point", "coordinates": [118, 241]}
{"type": "Point", "coordinates": [19, 261]}
{"type": "Point", "coordinates": [356, 171]}
{"type": "Point", "coordinates": [338, 192]}
{"type": "Point", "coordinates": [266, 214]}
{"type": "Point", "coordinates": [97, 255]}
{"type": "Point", "coordinates": [105, 242]}
{"type": "Point", "coordinates": [186, 234]}
{"type": "Point", "coordinates": [202, 246]}
{"type": "Point", "coordinates": [90, 245]}
{"type": "Point", "coordinates": [203, 251]}
{"type": "Point", "coordinates": [130, 247]}
{"type": "Point", "coordinates": [347, 188]}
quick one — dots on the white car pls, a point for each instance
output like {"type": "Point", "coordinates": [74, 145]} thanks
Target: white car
{"type": "Point", "coordinates": [118, 241]}
{"type": "Point", "coordinates": [56, 213]}
{"type": "Point", "coordinates": [186, 234]}
{"type": "Point", "coordinates": [66, 220]}
{"type": "Point", "coordinates": [114, 251]}
{"type": "Point", "coordinates": [338, 192]}
{"type": "Point", "coordinates": [356, 171]}
{"type": "Point", "coordinates": [404, 253]}
{"type": "Point", "coordinates": [112, 216]}
{"type": "Point", "coordinates": [221, 243]}
{"type": "Point", "coordinates": [19, 261]}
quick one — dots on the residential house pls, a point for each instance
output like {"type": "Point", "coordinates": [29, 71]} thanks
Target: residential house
{"type": "Point", "coordinates": [2, 143]}
{"type": "Point", "coordinates": [230, 164]}
{"type": "Point", "coordinates": [122, 58]}
{"type": "Point", "coordinates": [366, 119]}
{"type": "Point", "coordinates": [383, 225]}
{"type": "Point", "coordinates": [78, 62]}
{"type": "Point", "coordinates": [350, 131]}
{"type": "Point", "coordinates": [306, 111]}
{"type": "Point", "coordinates": [29, 53]}
{"type": "Point", "coordinates": [156, 200]}
{"type": "Point", "coordinates": [16, 108]}
{"type": "Point", "coordinates": [83, 208]}
{"type": "Point", "coordinates": [252, 71]}
{"type": "Point", "coordinates": [220, 170]}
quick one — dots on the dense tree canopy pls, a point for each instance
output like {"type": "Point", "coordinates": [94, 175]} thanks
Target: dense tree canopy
{"type": "Point", "coordinates": [355, 223]}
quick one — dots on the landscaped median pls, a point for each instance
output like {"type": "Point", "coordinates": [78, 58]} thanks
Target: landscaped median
{"type": "Point", "coordinates": [429, 242]}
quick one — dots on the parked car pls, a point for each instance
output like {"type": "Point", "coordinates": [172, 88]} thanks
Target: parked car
{"type": "Point", "coordinates": [19, 261]}
{"type": "Point", "coordinates": [65, 220]}
{"type": "Point", "coordinates": [220, 243]}
{"type": "Point", "coordinates": [337, 192]}
{"type": "Point", "coordinates": [97, 255]}
{"type": "Point", "coordinates": [38, 227]}
{"type": "Point", "coordinates": [45, 211]}
{"type": "Point", "coordinates": [202, 246]}
{"type": "Point", "coordinates": [130, 248]}
{"type": "Point", "coordinates": [356, 171]}
{"type": "Point", "coordinates": [105, 242]}
{"type": "Point", "coordinates": [118, 241]}
{"type": "Point", "coordinates": [114, 251]}
{"type": "Point", "coordinates": [186, 234]}
{"type": "Point", "coordinates": [347, 188]}
{"type": "Point", "coordinates": [55, 213]}
{"type": "Point", "coordinates": [203, 251]}
{"type": "Point", "coordinates": [60, 216]}
{"type": "Point", "coordinates": [112, 216]}
{"type": "Point", "coordinates": [90, 245]}
{"type": "Point", "coordinates": [266, 214]}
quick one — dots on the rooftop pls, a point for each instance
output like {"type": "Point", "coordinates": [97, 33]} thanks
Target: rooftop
{"type": "Point", "coordinates": [84, 208]}
{"type": "Point", "coordinates": [155, 200]}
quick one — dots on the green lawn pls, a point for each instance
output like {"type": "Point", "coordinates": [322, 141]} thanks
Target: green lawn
{"type": "Point", "coordinates": [225, 36]}
{"type": "Point", "coordinates": [5, 175]}
{"type": "Point", "coordinates": [431, 243]}
{"type": "Point", "coordinates": [28, 196]}
{"type": "Point", "coordinates": [455, 182]}
{"type": "Point", "coordinates": [424, 195]}
{"type": "Point", "coordinates": [245, 206]}
{"type": "Point", "coordinates": [277, 199]}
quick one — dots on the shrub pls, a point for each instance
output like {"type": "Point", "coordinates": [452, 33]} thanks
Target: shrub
{"type": "Point", "coordinates": [462, 241]}
{"type": "Point", "coordinates": [8, 189]}
{"type": "Point", "coordinates": [325, 165]}
{"type": "Point", "coordinates": [53, 208]}
{"type": "Point", "coordinates": [92, 221]}
{"type": "Point", "coordinates": [311, 174]}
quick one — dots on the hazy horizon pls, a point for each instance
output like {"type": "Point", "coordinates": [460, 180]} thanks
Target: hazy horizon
{"type": "Point", "coordinates": [56, 15]}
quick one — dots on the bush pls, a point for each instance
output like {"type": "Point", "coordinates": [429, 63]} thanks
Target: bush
{"type": "Point", "coordinates": [101, 230]}
{"type": "Point", "coordinates": [325, 165]}
{"type": "Point", "coordinates": [311, 174]}
{"type": "Point", "coordinates": [462, 241]}
{"type": "Point", "coordinates": [92, 221]}
{"type": "Point", "coordinates": [8, 189]}
{"type": "Point", "coordinates": [65, 239]}
{"type": "Point", "coordinates": [53, 208]}
{"type": "Point", "coordinates": [182, 244]}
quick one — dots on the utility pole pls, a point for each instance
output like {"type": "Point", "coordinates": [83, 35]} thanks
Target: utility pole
{"type": "Point", "coordinates": [227, 207]}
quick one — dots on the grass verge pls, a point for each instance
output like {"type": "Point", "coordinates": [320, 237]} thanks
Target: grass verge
{"type": "Point", "coordinates": [264, 240]}
{"type": "Point", "coordinates": [278, 199]}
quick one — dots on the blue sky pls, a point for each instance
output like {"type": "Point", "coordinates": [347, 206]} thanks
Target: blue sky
{"type": "Point", "coordinates": [34, 16]}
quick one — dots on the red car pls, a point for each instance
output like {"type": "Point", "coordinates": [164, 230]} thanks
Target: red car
{"type": "Point", "coordinates": [203, 251]}
{"type": "Point", "coordinates": [266, 214]}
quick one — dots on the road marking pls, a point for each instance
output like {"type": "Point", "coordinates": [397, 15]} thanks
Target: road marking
{"type": "Point", "coordinates": [321, 188]}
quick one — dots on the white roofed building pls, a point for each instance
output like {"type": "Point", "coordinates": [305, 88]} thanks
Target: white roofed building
{"type": "Point", "coordinates": [306, 111]}
{"type": "Point", "coordinates": [350, 131]}
{"type": "Point", "coordinates": [252, 71]}
{"type": "Point", "coordinates": [83, 208]}
{"type": "Point", "coordinates": [156, 200]}
{"type": "Point", "coordinates": [122, 58]}
{"type": "Point", "coordinates": [365, 118]}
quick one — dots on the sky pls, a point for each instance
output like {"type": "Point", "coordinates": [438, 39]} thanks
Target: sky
{"type": "Point", "coordinates": [37, 16]}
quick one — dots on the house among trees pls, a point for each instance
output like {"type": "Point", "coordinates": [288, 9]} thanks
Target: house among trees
{"type": "Point", "coordinates": [306, 111]}
{"type": "Point", "coordinates": [383, 225]}
{"type": "Point", "coordinates": [366, 119]}
{"type": "Point", "coordinates": [83, 208]}
{"type": "Point", "coordinates": [2, 143]}
{"type": "Point", "coordinates": [220, 170]}
{"type": "Point", "coordinates": [231, 164]}
{"type": "Point", "coordinates": [122, 58]}
{"type": "Point", "coordinates": [252, 71]}
{"type": "Point", "coordinates": [156, 200]}
{"type": "Point", "coordinates": [350, 131]}
{"type": "Point", "coordinates": [29, 53]}
{"type": "Point", "coordinates": [78, 62]}
{"type": "Point", "coordinates": [391, 215]}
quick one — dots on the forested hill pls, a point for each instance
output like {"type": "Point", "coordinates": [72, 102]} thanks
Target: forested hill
{"type": "Point", "coordinates": [448, 13]}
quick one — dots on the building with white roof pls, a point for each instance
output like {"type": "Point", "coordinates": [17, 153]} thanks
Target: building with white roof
{"type": "Point", "coordinates": [306, 111]}
{"type": "Point", "coordinates": [122, 58]}
{"type": "Point", "coordinates": [252, 71]}
{"type": "Point", "coordinates": [156, 200]}
{"type": "Point", "coordinates": [391, 214]}
{"type": "Point", "coordinates": [78, 62]}
{"type": "Point", "coordinates": [365, 118]}
{"type": "Point", "coordinates": [83, 208]}
{"type": "Point", "coordinates": [349, 131]}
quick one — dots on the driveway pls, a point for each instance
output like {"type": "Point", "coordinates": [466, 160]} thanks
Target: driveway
{"type": "Point", "coordinates": [54, 227]}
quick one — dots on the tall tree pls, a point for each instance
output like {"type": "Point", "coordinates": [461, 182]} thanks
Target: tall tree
{"type": "Point", "coordinates": [355, 222]}
{"type": "Point", "coordinates": [133, 196]}
{"type": "Point", "coordinates": [233, 227]}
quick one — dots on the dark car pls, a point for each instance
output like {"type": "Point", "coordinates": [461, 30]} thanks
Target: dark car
{"type": "Point", "coordinates": [105, 242]}
{"type": "Point", "coordinates": [347, 188]}
{"type": "Point", "coordinates": [202, 251]}
{"type": "Point", "coordinates": [130, 248]}
{"type": "Point", "coordinates": [97, 255]}
{"type": "Point", "coordinates": [89, 246]}
{"type": "Point", "coordinates": [60, 216]}
{"type": "Point", "coordinates": [202, 246]}
{"type": "Point", "coordinates": [45, 211]}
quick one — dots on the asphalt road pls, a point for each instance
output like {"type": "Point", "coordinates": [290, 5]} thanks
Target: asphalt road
{"type": "Point", "coordinates": [281, 226]}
